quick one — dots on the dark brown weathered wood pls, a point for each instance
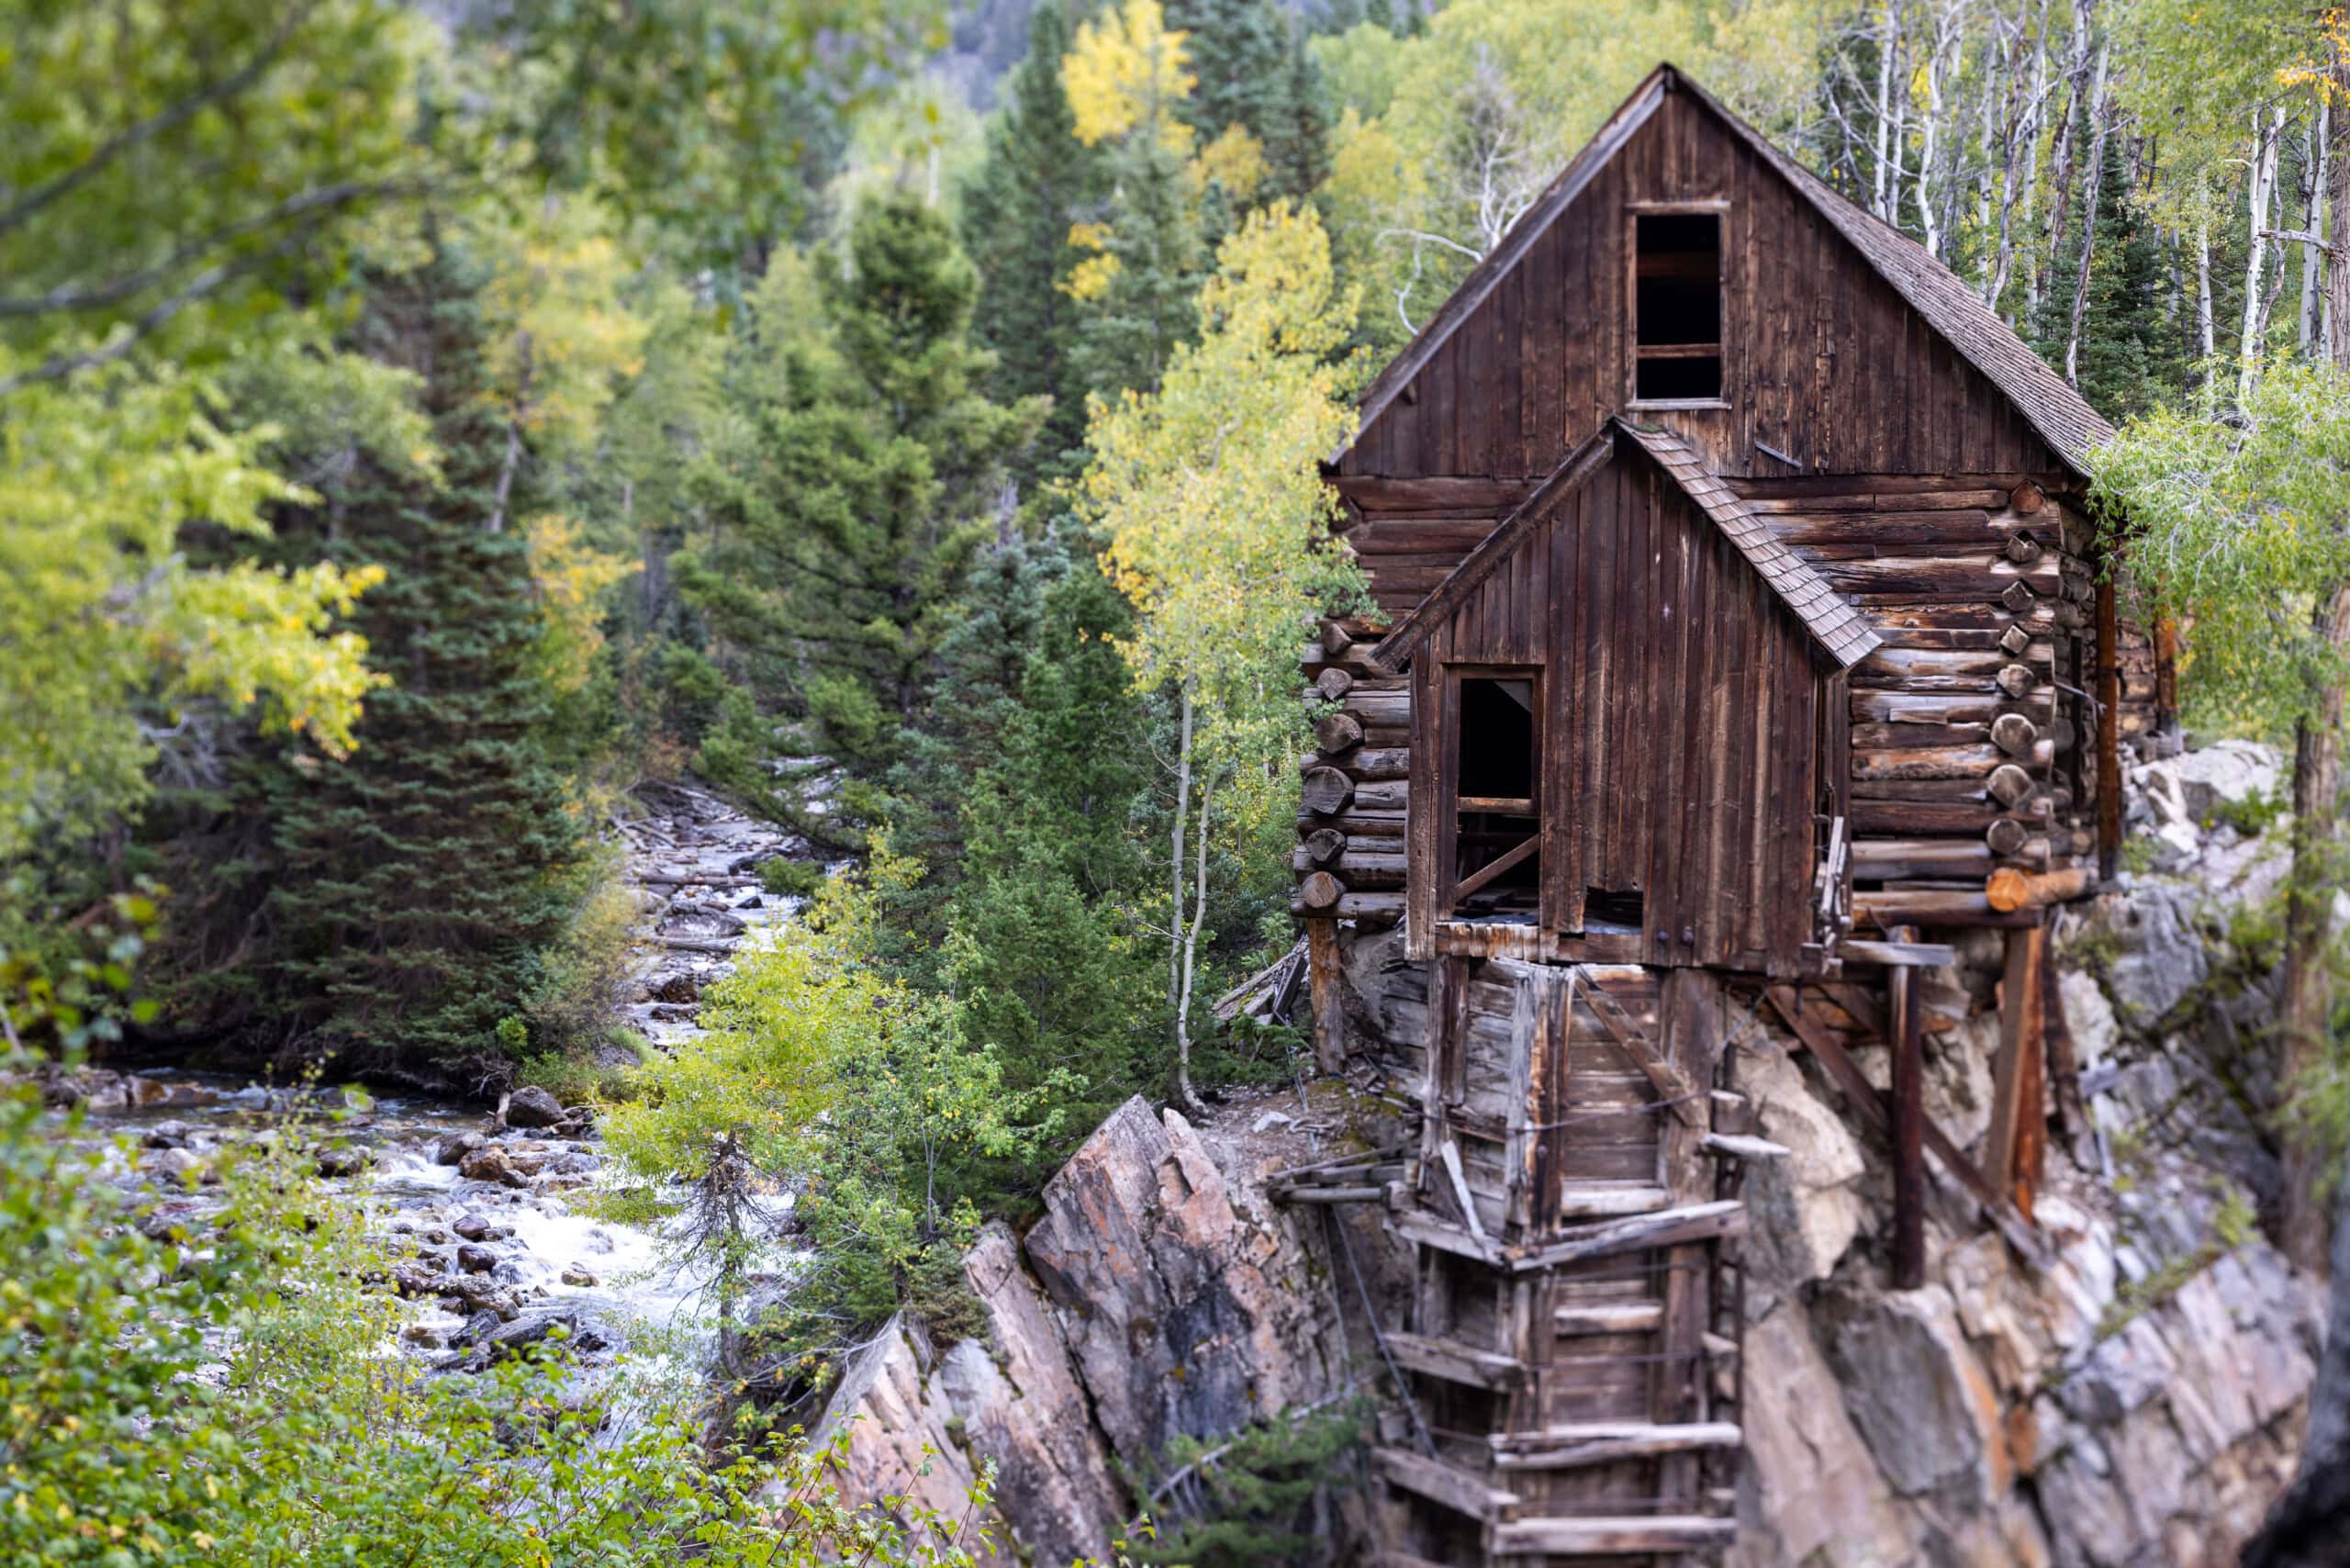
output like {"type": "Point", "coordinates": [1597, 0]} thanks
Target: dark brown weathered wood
{"type": "Point", "coordinates": [1909, 1130]}
{"type": "Point", "coordinates": [2109, 732]}
{"type": "Point", "coordinates": [1325, 989]}
{"type": "Point", "coordinates": [1320, 891]}
{"type": "Point", "coordinates": [1326, 790]}
{"type": "Point", "coordinates": [2018, 1133]}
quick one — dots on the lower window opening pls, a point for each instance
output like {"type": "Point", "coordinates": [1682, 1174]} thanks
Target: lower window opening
{"type": "Point", "coordinates": [1611, 911]}
{"type": "Point", "coordinates": [1494, 804]}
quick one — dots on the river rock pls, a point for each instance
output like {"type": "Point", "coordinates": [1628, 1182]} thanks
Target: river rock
{"type": "Point", "coordinates": [479, 1293]}
{"type": "Point", "coordinates": [139, 1091]}
{"type": "Point", "coordinates": [471, 1226]}
{"type": "Point", "coordinates": [169, 1135]}
{"type": "Point", "coordinates": [531, 1106]}
{"type": "Point", "coordinates": [486, 1164]}
{"type": "Point", "coordinates": [344, 1160]}
{"type": "Point", "coordinates": [453, 1149]}
{"type": "Point", "coordinates": [475, 1260]}
{"type": "Point", "coordinates": [572, 1274]}
{"type": "Point", "coordinates": [173, 1165]}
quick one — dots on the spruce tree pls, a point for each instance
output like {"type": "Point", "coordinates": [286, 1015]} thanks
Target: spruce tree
{"type": "Point", "coordinates": [1017, 214]}
{"type": "Point", "coordinates": [1297, 146]}
{"type": "Point", "coordinates": [843, 520]}
{"type": "Point", "coordinates": [1236, 49]}
{"type": "Point", "coordinates": [1126, 338]}
{"type": "Point", "coordinates": [389, 909]}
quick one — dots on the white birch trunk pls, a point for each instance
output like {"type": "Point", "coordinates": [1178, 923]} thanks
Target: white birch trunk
{"type": "Point", "coordinates": [2204, 325]}
{"type": "Point", "coordinates": [2268, 139]}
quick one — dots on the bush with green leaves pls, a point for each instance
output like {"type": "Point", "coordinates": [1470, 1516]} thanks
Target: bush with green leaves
{"type": "Point", "coordinates": [825, 1072]}
{"type": "Point", "coordinates": [216, 1390]}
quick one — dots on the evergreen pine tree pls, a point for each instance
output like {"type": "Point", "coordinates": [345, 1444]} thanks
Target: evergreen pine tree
{"type": "Point", "coordinates": [1126, 335]}
{"type": "Point", "coordinates": [1016, 218]}
{"type": "Point", "coordinates": [391, 908]}
{"type": "Point", "coordinates": [2127, 353]}
{"type": "Point", "coordinates": [843, 519]}
{"type": "Point", "coordinates": [1297, 146]}
{"type": "Point", "coordinates": [1236, 50]}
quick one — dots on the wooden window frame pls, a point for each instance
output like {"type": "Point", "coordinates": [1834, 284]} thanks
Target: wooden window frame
{"type": "Point", "coordinates": [1719, 207]}
{"type": "Point", "coordinates": [1448, 777]}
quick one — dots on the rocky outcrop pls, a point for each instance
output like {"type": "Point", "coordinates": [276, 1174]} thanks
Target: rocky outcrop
{"type": "Point", "coordinates": [1161, 1296]}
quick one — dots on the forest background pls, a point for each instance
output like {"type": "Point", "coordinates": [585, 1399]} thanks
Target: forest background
{"type": "Point", "coordinates": [423, 426]}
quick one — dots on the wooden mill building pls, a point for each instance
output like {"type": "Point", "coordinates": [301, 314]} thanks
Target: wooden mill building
{"type": "Point", "coordinates": [1741, 635]}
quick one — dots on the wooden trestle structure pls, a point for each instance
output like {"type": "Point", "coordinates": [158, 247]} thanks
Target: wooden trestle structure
{"type": "Point", "coordinates": [1740, 630]}
{"type": "Point", "coordinates": [1574, 1322]}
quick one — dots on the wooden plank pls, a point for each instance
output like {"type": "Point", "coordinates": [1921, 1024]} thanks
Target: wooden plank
{"type": "Point", "coordinates": [1575, 1318]}
{"type": "Point", "coordinates": [1425, 1229]}
{"type": "Point", "coordinates": [1897, 954]}
{"type": "Point", "coordinates": [1456, 1363]}
{"type": "Point", "coordinates": [1671, 1085]}
{"type": "Point", "coordinates": [1908, 1132]}
{"type": "Point", "coordinates": [1597, 1534]}
{"type": "Point", "coordinates": [1326, 990]}
{"type": "Point", "coordinates": [1603, 1442]}
{"type": "Point", "coordinates": [1441, 1483]}
{"type": "Point", "coordinates": [1696, 1222]}
{"type": "Point", "coordinates": [2019, 1132]}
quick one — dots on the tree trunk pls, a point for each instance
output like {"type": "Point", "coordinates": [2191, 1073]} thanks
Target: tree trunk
{"type": "Point", "coordinates": [1887, 44]}
{"type": "Point", "coordinates": [2101, 107]}
{"type": "Point", "coordinates": [2306, 1007]}
{"type": "Point", "coordinates": [2268, 139]}
{"type": "Point", "coordinates": [1183, 1091]}
{"type": "Point", "coordinates": [2205, 328]}
{"type": "Point", "coordinates": [2310, 334]}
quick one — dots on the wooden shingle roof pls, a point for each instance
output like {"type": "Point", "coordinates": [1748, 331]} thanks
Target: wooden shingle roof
{"type": "Point", "coordinates": [2058, 413]}
{"type": "Point", "coordinates": [1838, 629]}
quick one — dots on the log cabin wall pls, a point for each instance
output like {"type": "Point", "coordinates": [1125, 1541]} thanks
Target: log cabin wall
{"type": "Point", "coordinates": [1680, 701]}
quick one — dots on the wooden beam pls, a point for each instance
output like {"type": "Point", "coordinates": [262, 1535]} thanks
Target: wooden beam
{"type": "Point", "coordinates": [1492, 868]}
{"type": "Point", "coordinates": [1602, 1443]}
{"type": "Point", "coordinates": [1456, 1363]}
{"type": "Point", "coordinates": [1647, 1055]}
{"type": "Point", "coordinates": [1599, 1535]}
{"type": "Point", "coordinates": [2008, 889]}
{"type": "Point", "coordinates": [2108, 727]}
{"type": "Point", "coordinates": [2019, 1078]}
{"type": "Point", "coordinates": [1326, 991]}
{"type": "Point", "coordinates": [1441, 1483]}
{"type": "Point", "coordinates": [1909, 1131]}
{"type": "Point", "coordinates": [1892, 955]}
{"type": "Point", "coordinates": [1669, 1227]}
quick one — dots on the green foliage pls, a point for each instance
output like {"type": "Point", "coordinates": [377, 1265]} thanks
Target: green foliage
{"type": "Point", "coordinates": [1252, 1497]}
{"type": "Point", "coordinates": [822, 1067]}
{"type": "Point", "coordinates": [212, 1390]}
{"type": "Point", "coordinates": [1034, 182]}
{"type": "Point", "coordinates": [847, 507]}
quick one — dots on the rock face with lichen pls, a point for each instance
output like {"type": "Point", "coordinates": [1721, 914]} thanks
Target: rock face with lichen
{"type": "Point", "coordinates": [1161, 1296]}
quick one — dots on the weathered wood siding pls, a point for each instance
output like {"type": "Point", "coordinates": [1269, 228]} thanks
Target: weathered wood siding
{"type": "Point", "coordinates": [1681, 704]}
{"type": "Point", "coordinates": [1824, 360]}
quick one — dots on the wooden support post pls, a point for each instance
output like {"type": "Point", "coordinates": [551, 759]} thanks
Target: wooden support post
{"type": "Point", "coordinates": [2167, 677]}
{"type": "Point", "coordinates": [1908, 1129]}
{"type": "Point", "coordinates": [2017, 1146]}
{"type": "Point", "coordinates": [1326, 990]}
{"type": "Point", "coordinates": [2109, 729]}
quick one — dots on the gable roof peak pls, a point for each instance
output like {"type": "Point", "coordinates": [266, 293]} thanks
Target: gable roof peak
{"type": "Point", "coordinates": [2052, 405]}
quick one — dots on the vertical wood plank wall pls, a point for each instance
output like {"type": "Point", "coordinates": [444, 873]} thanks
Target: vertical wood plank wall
{"type": "Point", "coordinates": [1682, 699]}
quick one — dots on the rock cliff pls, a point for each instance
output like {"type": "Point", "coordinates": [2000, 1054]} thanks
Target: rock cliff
{"type": "Point", "coordinates": [2132, 1396]}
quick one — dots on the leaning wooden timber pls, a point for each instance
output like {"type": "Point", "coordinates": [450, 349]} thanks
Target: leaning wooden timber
{"type": "Point", "coordinates": [1741, 634]}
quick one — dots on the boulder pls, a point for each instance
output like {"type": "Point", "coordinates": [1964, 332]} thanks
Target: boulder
{"type": "Point", "coordinates": [1916, 1392]}
{"type": "Point", "coordinates": [572, 1274]}
{"type": "Point", "coordinates": [344, 1160]}
{"type": "Point", "coordinates": [1805, 1209]}
{"type": "Point", "coordinates": [453, 1149]}
{"type": "Point", "coordinates": [485, 1164]}
{"type": "Point", "coordinates": [531, 1106]}
{"type": "Point", "coordinates": [2159, 959]}
{"type": "Point", "coordinates": [475, 1260]}
{"type": "Point", "coordinates": [173, 1165]}
{"type": "Point", "coordinates": [2199, 785]}
{"type": "Point", "coordinates": [169, 1135]}
{"type": "Point", "coordinates": [471, 1226]}
{"type": "Point", "coordinates": [1816, 1495]}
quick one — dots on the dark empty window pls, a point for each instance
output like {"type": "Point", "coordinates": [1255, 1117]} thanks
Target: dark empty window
{"type": "Point", "coordinates": [1677, 306]}
{"type": "Point", "coordinates": [1497, 824]}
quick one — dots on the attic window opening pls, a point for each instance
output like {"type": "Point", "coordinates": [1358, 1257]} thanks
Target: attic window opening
{"type": "Point", "coordinates": [1677, 306]}
{"type": "Point", "coordinates": [1496, 811]}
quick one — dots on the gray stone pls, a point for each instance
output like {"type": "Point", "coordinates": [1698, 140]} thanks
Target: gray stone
{"type": "Point", "coordinates": [476, 1260]}
{"type": "Point", "coordinates": [1917, 1395]}
{"type": "Point", "coordinates": [453, 1149]}
{"type": "Point", "coordinates": [1815, 1496]}
{"type": "Point", "coordinates": [2197, 786]}
{"type": "Point", "coordinates": [531, 1106]}
{"type": "Point", "coordinates": [1806, 1209]}
{"type": "Point", "coordinates": [471, 1226]}
{"type": "Point", "coordinates": [344, 1160]}
{"type": "Point", "coordinates": [169, 1135]}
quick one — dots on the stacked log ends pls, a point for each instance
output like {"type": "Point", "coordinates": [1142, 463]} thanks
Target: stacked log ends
{"type": "Point", "coordinates": [1323, 846]}
{"type": "Point", "coordinates": [2006, 836]}
{"type": "Point", "coordinates": [2026, 499]}
{"type": "Point", "coordinates": [2014, 733]}
{"type": "Point", "coordinates": [1334, 683]}
{"type": "Point", "coordinates": [1337, 732]}
{"type": "Point", "coordinates": [2016, 681]}
{"type": "Point", "coordinates": [2018, 598]}
{"type": "Point", "coordinates": [1335, 640]}
{"type": "Point", "coordinates": [1320, 891]}
{"type": "Point", "coordinates": [2011, 785]}
{"type": "Point", "coordinates": [2023, 549]}
{"type": "Point", "coordinates": [2008, 891]}
{"type": "Point", "coordinates": [2014, 641]}
{"type": "Point", "coordinates": [1327, 791]}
